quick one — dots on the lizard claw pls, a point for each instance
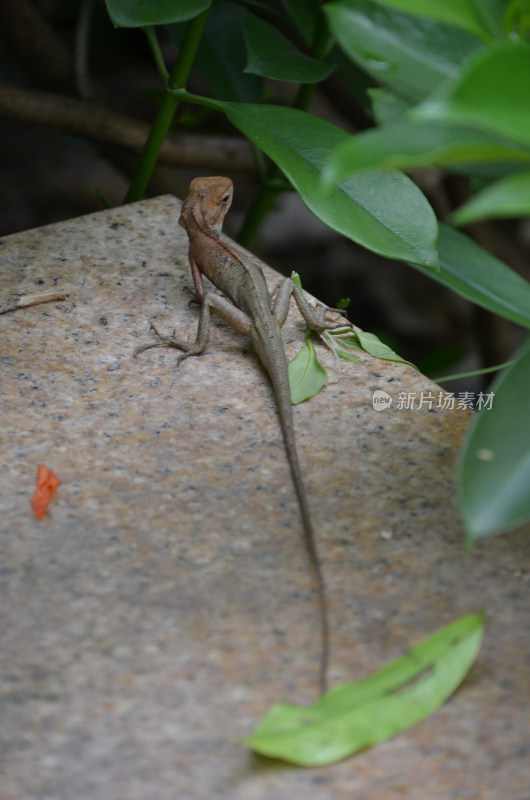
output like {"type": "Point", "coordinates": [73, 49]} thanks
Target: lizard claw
{"type": "Point", "coordinates": [145, 347]}
{"type": "Point", "coordinates": [188, 348]}
{"type": "Point", "coordinates": [194, 299]}
{"type": "Point", "coordinates": [165, 341]}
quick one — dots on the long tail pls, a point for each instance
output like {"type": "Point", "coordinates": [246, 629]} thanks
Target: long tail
{"type": "Point", "coordinates": [277, 369]}
{"type": "Point", "coordinates": [309, 532]}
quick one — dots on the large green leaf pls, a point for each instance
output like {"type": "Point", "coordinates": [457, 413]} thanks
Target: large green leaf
{"type": "Point", "coordinates": [481, 17]}
{"type": "Point", "coordinates": [416, 144]}
{"type": "Point", "coordinates": [495, 463]}
{"type": "Point", "coordinates": [408, 54]}
{"type": "Point", "coordinates": [491, 92]}
{"type": "Point", "coordinates": [384, 212]}
{"type": "Point", "coordinates": [140, 13]}
{"type": "Point", "coordinates": [273, 55]}
{"type": "Point", "coordinates": [509, 197]}
{"type": "Point", "coordinates": [481, 278]}
{"type": "Point", "coordinates": [357, 715]}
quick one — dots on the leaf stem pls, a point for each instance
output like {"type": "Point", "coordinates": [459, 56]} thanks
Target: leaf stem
{"type": "Point", "coordinates": [166, 110]}
{"type": "Point", "coordinates": [197, 99]}
{"type": "Point", "coordinates": [157, 53]}
{"type": "Point", "coordinates": [459, 375]}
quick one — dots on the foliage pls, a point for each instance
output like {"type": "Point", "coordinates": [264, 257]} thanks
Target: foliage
{"type": "Point", "coordinates": [447, 82]}
{"type": "Point", "coordinates": [475, 116]}
{"type": "Point", "coordinates": [497, 496]}
{"type": "Point", "coordinates": [444, 82]}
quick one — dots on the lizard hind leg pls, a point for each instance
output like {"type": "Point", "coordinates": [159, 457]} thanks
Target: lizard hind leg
{"type": "Point", "coordinates": [315, 318]}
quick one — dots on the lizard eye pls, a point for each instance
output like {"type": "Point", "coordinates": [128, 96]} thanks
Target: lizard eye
{"type": "Point", "coordinates": [225, 198]}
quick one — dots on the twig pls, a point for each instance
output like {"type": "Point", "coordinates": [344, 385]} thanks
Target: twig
{"type": "Point", "coordinates": [69, 115]}
{"type": "Point", "coordinates": [26, 300]}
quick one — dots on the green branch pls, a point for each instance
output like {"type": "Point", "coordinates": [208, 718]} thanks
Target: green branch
{"type": "Point", "coordinates": [166, 110]}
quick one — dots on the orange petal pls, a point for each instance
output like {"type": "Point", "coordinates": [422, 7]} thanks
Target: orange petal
{"type": "Point", "coordinates": [47, 483]}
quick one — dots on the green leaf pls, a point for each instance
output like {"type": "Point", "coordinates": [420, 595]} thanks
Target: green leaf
{"type": "Point", "coordinates": [370, 343]}
{"type": "Point", "coordinates": [415, 144]}
{"type": "Point", "coordinates": [385, 213]}
{"type": "Point", "coordinates": [495, 461]}
{"type": "Point", "coordinates": [307, 376]}
{"type": "Point", "coordinates": [273, 55]}
{"type": "Point", "coordinates": [509, 197]}
{"type": "Point", "coordinates": [491, 93]}
{"type": "Point", "coordinates": [141, 13]}
{"type": "Point", "coordinates": [357, 715]}
{"type": "Point", "coordinates": [344, 341]}
{"type": "Point", "coordinates": [387, 106]}
{"type": "Point", "coordinates": [221, 56]}
{"type": "Point", "coordinates": [305, 15]}
{"type": "Point", "coordinates": [347, 354]}
{"type": "Point", "coordinates": [517, 17]}
{"type": "Point", "coordinates": [492, 14]}
{"type": "Point", "coordinates": [478, 276]}
{"type": "Point", "coordinates": [408, 54]}
{"type": "Point", "coordinates": [466, 14]}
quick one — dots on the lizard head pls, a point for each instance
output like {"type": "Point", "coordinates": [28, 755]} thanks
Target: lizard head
{"type": "Point", "coordinates": [207, 202]}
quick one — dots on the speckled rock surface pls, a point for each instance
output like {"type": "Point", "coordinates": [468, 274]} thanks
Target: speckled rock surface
{"type": "Point", "coordinates": [165, 602]}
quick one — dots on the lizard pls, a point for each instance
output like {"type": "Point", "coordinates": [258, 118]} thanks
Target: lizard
{"type": "Point", "coordinates": [241, 297]}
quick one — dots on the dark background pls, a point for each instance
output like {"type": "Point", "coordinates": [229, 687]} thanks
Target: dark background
{"type": "Point", "coordinates": [52, 171]}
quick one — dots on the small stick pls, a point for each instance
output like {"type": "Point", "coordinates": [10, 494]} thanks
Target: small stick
{"type": "Point", "coordinates": [33, 300]}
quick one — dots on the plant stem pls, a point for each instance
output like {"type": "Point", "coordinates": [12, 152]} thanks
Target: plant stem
{"type": "Point", "coordinates": [166, 109]}
{"type": "Point", "coordinates": [461, 375]}
{"type": "Point", "coordinates": [157, 53]}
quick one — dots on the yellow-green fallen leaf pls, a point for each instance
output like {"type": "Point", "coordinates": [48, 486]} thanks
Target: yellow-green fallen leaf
{"type": "Point", "coordinates": [346, 340]}
{"type": "Point", "coordinates": [370, 343]}
{"type": "Point", "coordinates": [357, 715]}
{"type": "Point", "coordinates": [307, 376]}
{"type": "Point", "coordinates": [342, 342]}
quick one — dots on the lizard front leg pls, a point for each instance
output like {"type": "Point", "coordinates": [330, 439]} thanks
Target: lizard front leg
{"type": "Point", "coordinates": [209, 301]}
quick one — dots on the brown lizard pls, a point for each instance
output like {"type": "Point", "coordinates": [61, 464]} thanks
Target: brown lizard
{"type": "Point", "coordinates": [245, 304]}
